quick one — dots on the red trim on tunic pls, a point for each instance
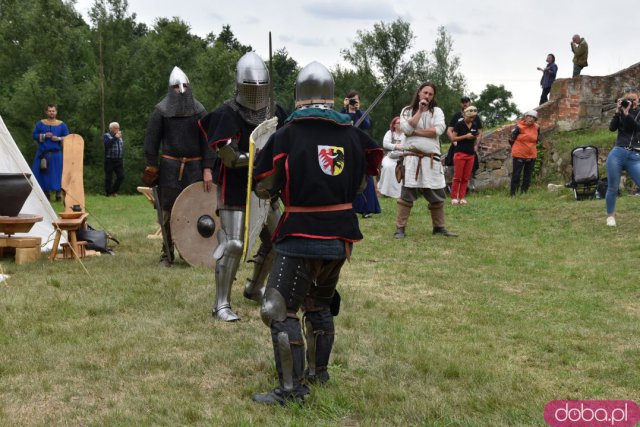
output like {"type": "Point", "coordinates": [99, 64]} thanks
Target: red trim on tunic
{"type": "Point", "coordinates": [273, 168]}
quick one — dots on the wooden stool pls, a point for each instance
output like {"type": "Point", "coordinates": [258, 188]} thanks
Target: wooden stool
{"type": "Point", "coordinates": [26, 249]}
{"type": "Point", "coordinates": [67, 253]}
{"type": "Point", "coordinates": [70, 225]}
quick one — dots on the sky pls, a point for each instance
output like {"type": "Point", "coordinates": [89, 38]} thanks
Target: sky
{"type": "Point", "coordinates": [498, 42]}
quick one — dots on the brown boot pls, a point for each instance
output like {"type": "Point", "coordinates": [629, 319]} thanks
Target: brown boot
{"type": "Point", "coordinates": [437, 219]}
{"type": "Point", "coordinates": [402, 217]}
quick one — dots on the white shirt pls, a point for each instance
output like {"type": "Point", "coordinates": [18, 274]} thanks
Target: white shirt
{"type": "Point", "coordinates": [429, 176]}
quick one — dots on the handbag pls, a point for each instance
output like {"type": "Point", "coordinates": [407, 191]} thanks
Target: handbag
{"type": "Point", "coordinates": [400, 170]}
{"type": "Point", "coordinates": [96, 239]}
{"type": "Point", "coordinates": [43, 163]}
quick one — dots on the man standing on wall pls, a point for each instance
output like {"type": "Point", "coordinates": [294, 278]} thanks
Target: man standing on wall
{"type": "Point", "coordinates": [580, 50]}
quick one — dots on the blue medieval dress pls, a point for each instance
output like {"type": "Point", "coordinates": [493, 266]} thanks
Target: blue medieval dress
{"type": "Point", "coordinates": [51, 178]}
{"type": "Point", "coordinates": [366, 203]}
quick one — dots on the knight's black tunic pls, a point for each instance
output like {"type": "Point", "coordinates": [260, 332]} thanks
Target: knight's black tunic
{"type": "Point", "coordinates": [171, 136]}
{"type": "Point", "coordinates": [319, 160]}
{"type": "Point", "coordinates": [218, 127]}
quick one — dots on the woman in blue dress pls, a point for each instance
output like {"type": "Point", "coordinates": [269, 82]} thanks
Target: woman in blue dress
{"type": "Point", "coordinates": [366, 203]}
{"type": "Point", "coordinates": [47, 165]}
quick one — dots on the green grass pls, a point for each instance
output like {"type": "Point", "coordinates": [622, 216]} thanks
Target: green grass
{"type": "Point", "coordinates": [536, 300]}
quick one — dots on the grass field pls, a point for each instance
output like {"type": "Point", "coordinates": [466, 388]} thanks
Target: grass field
{"type": "Point", "coordinates": [536, 300]}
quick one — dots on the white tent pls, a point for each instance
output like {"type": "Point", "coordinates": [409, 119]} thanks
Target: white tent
{"type": "Point", "coordinates": [12, 161]}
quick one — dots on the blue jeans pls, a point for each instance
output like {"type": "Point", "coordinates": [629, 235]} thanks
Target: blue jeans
{"type": "Point", "coordinates": [618, 160]}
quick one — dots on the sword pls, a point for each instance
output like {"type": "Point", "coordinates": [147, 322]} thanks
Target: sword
{"type": "Point", "coordinates": [165, 237]}
{"type": "Point", "coordinates": [375, 102]}
{"type": "Point", "coordinates": [272, 95]}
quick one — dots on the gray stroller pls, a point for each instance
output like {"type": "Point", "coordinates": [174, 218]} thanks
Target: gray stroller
{"type": "Point", "coordinates": [584, 174]}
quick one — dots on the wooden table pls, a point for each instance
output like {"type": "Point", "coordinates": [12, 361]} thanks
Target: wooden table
{"type": "Point", "coordinates": [27, 248]}
{"type": "Point", "coordinates": [70, 226]}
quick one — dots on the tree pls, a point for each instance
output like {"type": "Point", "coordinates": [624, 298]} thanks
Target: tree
{"type": "Point", "coordinates": [379, 56]}
{"type": "Point", "coordinates": [443, 69]}
{"type": "Point", "coordinates": [494, 106]}
{"type": "Point", "coordinates": [285, 72]}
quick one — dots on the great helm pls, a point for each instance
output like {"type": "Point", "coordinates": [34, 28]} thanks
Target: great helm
{"type": "Point", "coordinates": [252, 82]}
{"type": "Point", "coordinates": [314, 87]}
{"type": "Point", "coordinates": [178, 79]}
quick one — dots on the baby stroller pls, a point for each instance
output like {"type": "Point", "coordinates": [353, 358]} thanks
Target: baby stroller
{"type": "Point", "coordinates": [584, 176]}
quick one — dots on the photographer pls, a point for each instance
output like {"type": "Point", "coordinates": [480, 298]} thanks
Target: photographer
{"type": "Point", "coordinates": [366, 203]}
{"type": "Point", "coordinates": [464, 138]}
{"type": "Point", "coordinates": [625, 155]}
{"type": "Point", "coordinates": [524, 140]}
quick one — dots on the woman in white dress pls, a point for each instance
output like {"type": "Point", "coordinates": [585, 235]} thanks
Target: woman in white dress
{"type": "Point", "coordinates": [393, 140]}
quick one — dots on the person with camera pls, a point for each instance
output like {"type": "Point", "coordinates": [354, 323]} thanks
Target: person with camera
{"type": "Point", "coordinates": [625, 155]}
{"type": "Point", "coordinates": [465, 140]}
{"type": "Point", "coordinates": [548, 77]}
{"type": "Point", "coordinates": [580, 50]}
{"type": "Point", "coordinates": [524, 140]}
{"type": "Point", "coordinates": [422, 122]}
{"type": "Point", "coordinates": [113, 159]}
{"type": "Point", "coordinates": [366, 203]}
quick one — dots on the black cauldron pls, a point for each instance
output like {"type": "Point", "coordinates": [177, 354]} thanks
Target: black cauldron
{"type": "Point", "coordinates": [14, 190]}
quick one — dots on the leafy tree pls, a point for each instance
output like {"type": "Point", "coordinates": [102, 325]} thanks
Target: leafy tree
{"type": "Point", "coordinates": [43, 60]}
{"type": "Point", "coordinates": [380, 56]}
{"type": "Point", "coordinates": [285, 72]}
{"type": "Point", "coordinates": [494, 105]}
{"type": "Point", "coordinates": [442, 67]}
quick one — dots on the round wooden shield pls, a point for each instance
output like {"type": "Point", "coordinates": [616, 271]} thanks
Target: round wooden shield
{"type": "Point", "coordinates": [194, 225]}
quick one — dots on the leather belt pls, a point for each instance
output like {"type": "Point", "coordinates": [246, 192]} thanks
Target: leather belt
{"type": "Point", "coordinates": [182, 161]}
{"type": "Point", "coordinates": [325, 208]}
{"type": "Point", "coordinates": [432, 156]}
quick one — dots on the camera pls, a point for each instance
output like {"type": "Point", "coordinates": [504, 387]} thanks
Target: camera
{"type": "Point", "coordinates": [625, 103]}
{"type": "Point", "coordinates": [353, 101]}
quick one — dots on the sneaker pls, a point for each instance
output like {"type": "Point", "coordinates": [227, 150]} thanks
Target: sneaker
{"type": "Point", "coordinates": [611, 221]}
{"type": "Point", "coordinates": [454, 202]}
{"type": "Point", "coordinates": [463, 201]}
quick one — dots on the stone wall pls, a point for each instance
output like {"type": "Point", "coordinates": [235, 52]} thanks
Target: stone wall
{"type": "Point", "coordinates": [576, 103]}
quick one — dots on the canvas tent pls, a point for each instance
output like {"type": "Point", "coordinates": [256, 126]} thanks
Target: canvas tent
{"type": "Point", "coordinates": [12, 161]}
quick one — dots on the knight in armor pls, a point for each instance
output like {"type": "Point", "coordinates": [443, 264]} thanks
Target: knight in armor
{"type": "Point", "coordinates": [227, 130]}
{"type": "Point", "coordinates": [175, 153]}
{"type": "Point", "coordinates": [317, 164]}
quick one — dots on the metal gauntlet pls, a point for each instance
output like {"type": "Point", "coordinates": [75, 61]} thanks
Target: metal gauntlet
{"type": "Point", "coordinates": [231, 155]}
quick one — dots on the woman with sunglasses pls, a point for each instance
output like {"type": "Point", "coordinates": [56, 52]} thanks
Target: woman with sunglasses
{"type": "Point", "coordinates": [465, 140]}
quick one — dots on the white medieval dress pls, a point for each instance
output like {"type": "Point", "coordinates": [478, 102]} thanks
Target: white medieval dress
{"type": "Point", "coordinates": [388, 185]}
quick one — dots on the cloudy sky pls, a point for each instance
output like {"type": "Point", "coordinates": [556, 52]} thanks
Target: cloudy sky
{"type": "Point", "coordinates": [498, 41]}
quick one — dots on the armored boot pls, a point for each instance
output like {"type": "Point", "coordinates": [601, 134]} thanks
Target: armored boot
{"type": "Point", "coordinates": [254, 288]}
{"type": "Point", "coordinates": [319, 333]}
{"type": "Point", "coordinates": [402, 218]}
{"type": "Point", "coordinates": [437, 219]}
{"type": "Point", "coordinates": [228, 254]}
{"type": "Point", "coordinates": [288, 348]}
